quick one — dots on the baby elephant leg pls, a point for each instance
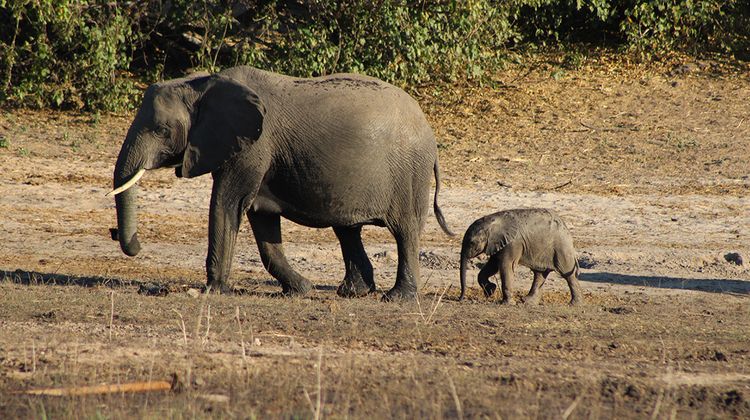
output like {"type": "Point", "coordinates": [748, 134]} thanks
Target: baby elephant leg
{"type": "Point", "coordinates": [575, 289]}
{"type": "Point", "coordinates": [508, 258]}
{"type": "Point", "coordinates": [539, 277]}
{"type": "Point", "coordinates": [489, 270]}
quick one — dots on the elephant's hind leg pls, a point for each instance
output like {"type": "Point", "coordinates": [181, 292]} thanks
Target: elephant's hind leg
{"type": "Point", "coordinates": [575, 289]}
{"type": "Point", "coordinates": [407, 243]}
{"type": "Point", "coordinates": [533, 297]}
{"type": "Point", "coordinates": [567, 265]}
{"type": "Point", "coordinates": [267, 232]}
{"type": "Point", "coordinates": [406, 221]}
{"type": "Point", "coordinates": [358, 280]}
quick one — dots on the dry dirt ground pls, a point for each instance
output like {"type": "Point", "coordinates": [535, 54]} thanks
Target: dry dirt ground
{"type": "Point", "coordinates": [648, 165]}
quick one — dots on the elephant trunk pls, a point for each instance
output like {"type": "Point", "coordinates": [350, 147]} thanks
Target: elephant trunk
{"type": "Point", "coordinates": [464, 263]}
{"type": "Point", "coordinates": [127, 217]}
{"type": "Point", "coordinates": [127, 222]}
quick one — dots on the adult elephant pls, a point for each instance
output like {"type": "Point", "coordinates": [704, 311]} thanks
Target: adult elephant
{"type": "Point", "coordinates": [342, 151]}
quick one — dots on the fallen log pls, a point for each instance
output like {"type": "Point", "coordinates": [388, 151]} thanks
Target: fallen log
{"type": "Point", "coordinates": [150, 386]}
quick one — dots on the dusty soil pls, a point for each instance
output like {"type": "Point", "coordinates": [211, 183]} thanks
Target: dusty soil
{"type": "Point", "coordinates": [648, 165]}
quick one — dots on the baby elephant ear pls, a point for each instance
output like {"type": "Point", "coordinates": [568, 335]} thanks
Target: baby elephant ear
{"type": "Point", "coordinates": [500, 235]}
{"type": "Point", "coordinates": [229, 116]}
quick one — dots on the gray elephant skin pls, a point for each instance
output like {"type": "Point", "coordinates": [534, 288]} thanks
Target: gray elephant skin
{"type": "Point", "coordinates": [337, 151]}
{"type": "Point", "coordinates": [534, 238]}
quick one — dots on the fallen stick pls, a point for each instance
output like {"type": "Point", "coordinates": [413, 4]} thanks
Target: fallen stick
{"type": "Point", "coordinates": [103, 389]}
{"type": "Point", "coordinates": [564, 184]}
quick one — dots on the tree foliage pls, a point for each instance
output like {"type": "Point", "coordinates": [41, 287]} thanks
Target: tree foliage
{"type": "Point", "coordinates": [90, 54]}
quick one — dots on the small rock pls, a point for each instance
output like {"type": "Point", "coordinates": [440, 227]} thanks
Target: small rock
{"type": "Point", "coordinates": [734, 258]}
{"type": "Point", "coordinates": [256, 342]}
{"type": "Point", "coordinates": [586, 261]}
{"type": "Point", "coordinates": [719, 356]}
{"type": "Point", "coordinates": [194, 293]}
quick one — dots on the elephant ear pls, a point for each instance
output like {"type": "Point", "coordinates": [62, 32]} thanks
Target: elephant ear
{"type": "Point", "coordinates": [229, 117]}
{"type": "Point", "coordinates": [502, 231]}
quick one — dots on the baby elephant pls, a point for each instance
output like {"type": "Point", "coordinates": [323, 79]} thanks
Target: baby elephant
{"type": "Point", "coordinates": [534, 238]}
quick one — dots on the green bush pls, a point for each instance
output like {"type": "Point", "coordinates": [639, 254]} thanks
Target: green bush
{"type": "Point", "coordinates": [663, 25]}
{"type": "Point", "coordinates": [65, 53]}
{"type": "Point", "coordinates": [90, 54]}
{"type": "Point", "coordinates": [437, 41]}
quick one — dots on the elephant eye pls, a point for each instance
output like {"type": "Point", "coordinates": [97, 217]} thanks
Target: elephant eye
{"type": "Point", "coordinates": [162, 131]}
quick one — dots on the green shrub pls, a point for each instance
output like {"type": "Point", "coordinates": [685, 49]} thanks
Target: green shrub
{"type": "Point", "coordinates": [436, 41]}
{"type": "Point", "coordinates": [65, 53]}
{"type": "Point", "coordinates": [90, 54]}
{"type": "Point", "coordinates": [663, 25]}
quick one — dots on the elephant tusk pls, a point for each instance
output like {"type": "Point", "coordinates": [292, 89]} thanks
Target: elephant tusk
{"type": "Point", "coordinates": [128, 184]}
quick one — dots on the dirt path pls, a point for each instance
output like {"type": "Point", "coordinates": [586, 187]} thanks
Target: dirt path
{"type": "Point", "coordinates": [57, 227]}
{"type": "Point", "coordinates": [650, 172]}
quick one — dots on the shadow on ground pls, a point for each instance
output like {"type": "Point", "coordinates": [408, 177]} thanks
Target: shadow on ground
{"type": "Point", "coordinates": [147, 287]}
{"type": "Point", "coordinates": [703, 285]}
{"type": "Point", "coordinates": [34, 278]}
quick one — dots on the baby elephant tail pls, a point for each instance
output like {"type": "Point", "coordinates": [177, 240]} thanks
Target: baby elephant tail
{"type": "Point", "coordinates": [438, 212]}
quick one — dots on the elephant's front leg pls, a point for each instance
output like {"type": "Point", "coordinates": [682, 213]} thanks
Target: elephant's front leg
{"type": "Point", "coordinates": [232, 193]}
{"type": "Point", "coordinates": [267, 232]}
{"type": "Point", "coordinates": [507, 261]}
{"type": "Point", "coordinates": [358, 280]}
{"type": "Point", "coordinates": [223, 224]}
{"type": "Point", "coordinates": [483, 278]}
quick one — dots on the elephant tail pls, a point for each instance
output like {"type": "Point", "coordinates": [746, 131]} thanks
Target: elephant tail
{"type": "Point", "coordinates": [436, 207]}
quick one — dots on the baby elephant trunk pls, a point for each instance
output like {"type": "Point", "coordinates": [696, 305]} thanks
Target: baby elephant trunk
{"type": "Point", "coordinates": [473, 244]}
{"type": "Point", "coordinates": [464, 263]}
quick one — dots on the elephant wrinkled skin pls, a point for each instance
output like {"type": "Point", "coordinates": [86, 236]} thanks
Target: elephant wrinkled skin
{"type": "Point", "coordinates": [337, 151]}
